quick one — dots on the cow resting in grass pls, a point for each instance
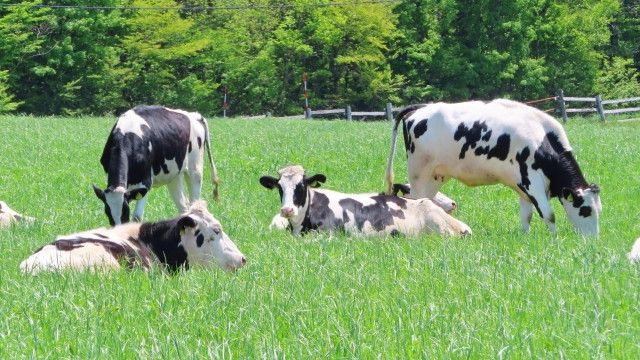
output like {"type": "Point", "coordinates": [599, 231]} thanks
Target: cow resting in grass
{"type": "Point", "coordinates": [501, 141]}
{"type": "Point", "coordinates": [8, 216]}
{"type": "Point", "coordinates": [153, 146]}
{"type": "Point", "coordinates": [194, 237]}
{"type": "Point", "coordinates": [442, 200]}
{"type": "Point", "coordinates": [307, 208]}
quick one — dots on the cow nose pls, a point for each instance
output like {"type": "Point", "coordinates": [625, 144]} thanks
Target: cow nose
{"type": "Point", "coordinates": [286, 212]}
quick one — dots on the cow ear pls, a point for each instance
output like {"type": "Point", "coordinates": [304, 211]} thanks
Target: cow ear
{"type": "Point", "coordinates": [99, 193]}
{"type": "Point", "coordinates": [135, 194]}
{"type": "Point", "coordinates": [315, 180]}
{"type": "Point", "coordinates": [185, 222]}
{"type": "Point", "coordinates": [401, 188]}
{"type": "Point", "coordinates": [268, 181]}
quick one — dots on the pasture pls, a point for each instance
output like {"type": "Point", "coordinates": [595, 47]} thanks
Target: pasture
{"type": "Point", "coordinates": [498, 293]}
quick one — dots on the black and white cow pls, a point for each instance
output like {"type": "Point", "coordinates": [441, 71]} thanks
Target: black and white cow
{"type": "Point", "coordinates": [501, 141]}
{"type": "Point", "coordinates": [8, 216]}
{"type": "Point", "coordinates": [153, 146]}
{"type": "Point", "coordinates": [442, 200]}
{"type": "Point", "coordinates": [307, 208]}
{"type": "Point", "coordinates": [194, 237]}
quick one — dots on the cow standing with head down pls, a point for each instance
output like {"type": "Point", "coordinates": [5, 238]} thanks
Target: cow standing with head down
{"type": "Point", "coordinates": [153, 146]}
{"type": "Point", "coordinates": [501, 141]}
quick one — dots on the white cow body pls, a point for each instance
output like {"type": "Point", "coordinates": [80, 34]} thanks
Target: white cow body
{"type": "Point", "coordinates": [503, 142]}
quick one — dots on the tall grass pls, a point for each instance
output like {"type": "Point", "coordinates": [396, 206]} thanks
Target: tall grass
{"type": "Point", "coordinates": [498, 293]}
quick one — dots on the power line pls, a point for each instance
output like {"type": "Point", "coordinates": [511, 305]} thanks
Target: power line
{"type": "Point", "coordinates": [203, 8]}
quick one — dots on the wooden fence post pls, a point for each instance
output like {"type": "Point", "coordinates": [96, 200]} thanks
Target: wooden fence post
{"type": "Point", "coordinates": [561, 105]}
{"type": "Point", "coordinates": [347, 112]}
{"type": "Point", "coordinates": [599, 107]}
{"type": "Point", "coordinates": [307, 113]}
{"type": "Point", "coordinates": [389, 112]}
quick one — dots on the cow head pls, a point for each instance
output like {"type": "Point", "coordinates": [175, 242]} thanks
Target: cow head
{"type": "Point", "coordinates": [293, 186]}
{"type": "Point", "coordinates": [116, 202]}
{"type": "Point", "coordinates": [203, 239]}
{"type": "Point", "coordinates": [583, 208]}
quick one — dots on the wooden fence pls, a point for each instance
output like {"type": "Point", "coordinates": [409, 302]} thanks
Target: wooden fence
{"type": "Point", "coordinates": [598, 105]}
{"type": "Point", "coordinates": [553, 104]}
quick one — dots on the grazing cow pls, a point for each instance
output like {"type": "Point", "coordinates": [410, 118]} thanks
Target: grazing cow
{"type": "Point", "coordinates": [195, 237]}
{"type": "Point", "coordinates": [8, 216]}
{"type": "Point", "coordinates": [446, 203]}
{"type": "Point", "coordinates": [307, 208]}
{"type": "Point", "coordinates": [634, 254]}
{"type": "Point", "coordinates": [152, 146]}
{"type": "Point", "coordinates": [501, 141]}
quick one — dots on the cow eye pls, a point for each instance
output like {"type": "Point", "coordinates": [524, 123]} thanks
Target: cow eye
{"type": "Point", "coordinates": [216, 230]}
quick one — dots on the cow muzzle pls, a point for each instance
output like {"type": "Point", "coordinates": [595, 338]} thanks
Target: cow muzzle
{"type": "Point", "coordinates": [287, 212]}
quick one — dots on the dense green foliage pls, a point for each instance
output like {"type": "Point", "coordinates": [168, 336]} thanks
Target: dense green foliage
{"type": "Point", "coordinates": [76, 61]}
{"type": "Point", "coordinates": [495, 294]}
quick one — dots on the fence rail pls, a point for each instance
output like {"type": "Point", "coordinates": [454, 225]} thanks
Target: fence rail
{"type": "Point", "coordinates": [560, 101]}
{"type": "Point", "coordinates": [599, 105]}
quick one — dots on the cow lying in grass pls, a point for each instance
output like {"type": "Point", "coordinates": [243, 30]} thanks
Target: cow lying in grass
{"type": "Point", "coordinates": [8, 216]}
{"type": "Point", "coordinates": [195, 237]}
{"type": "Point", "coordinates": [307, 208]}
{"type": "Point", "coordinates": [442, 200]}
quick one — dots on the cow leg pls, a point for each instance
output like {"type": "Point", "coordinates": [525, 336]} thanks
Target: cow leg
{"type": "Point", "coordinates": [177, 194]}
{"type": "Point", "coordinates": [526, 211]}
{"type": "Point", "coordinates": [139, 210]}
{"type": "Point", "coordinates": [538, 196]}
{"type": "Point", "coordinates": [194, 175]}
{"type": "Point", "coordinates": [422, 180]}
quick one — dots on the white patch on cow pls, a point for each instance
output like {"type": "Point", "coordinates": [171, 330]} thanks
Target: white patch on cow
{"type": "Point", "coordinates": [115, 200]}
{"type": "Point", "coordinates": [634, 254]}
{"type": "Point", "coordinates": [130, 122]}
{"type": "Point", "coordinates": [87, 255]}
{"type": "Point", "coordinates": [163, 178]}
{"type": "Point", "coordinates": [8, 216]}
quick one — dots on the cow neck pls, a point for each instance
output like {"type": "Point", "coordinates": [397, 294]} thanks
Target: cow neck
{"type": "Point", "coordinates": [306, 224]}
{"type": "Point", "coordinates": [163, 238]}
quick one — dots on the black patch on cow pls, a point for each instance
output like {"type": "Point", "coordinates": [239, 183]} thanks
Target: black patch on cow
{"type": "Point", "coordinates": [500, 151]}
{"type": "Point", "coordinates": [300, 194]}
{"type": "Point", "coordinates": [487, 136]}
{"type": "Point", "coordinates": [532, 199]}
{"type": "Point", "coordinates": [558, 165]}
{"type": "Point", "coordinates": [585, 211]}
{"type": "Point", "coordinates": [521, 158]}
{"type": "Point", "coordinates": [165, 169]}
{"type": "Point", "coordinates": [394, 233]}
{"type": "Point", "coordinates": [101, 236]}
{"type": "Point", "coordinates": [199, 143]}
{"type": "Point", "coordinates": [413, 147]}
{"type": "Point", "coordinates": [121, 252]}
{"type": "Point", "coordinates": [420, 128]}
{"type": "Point", "coordinates": [163, 238]}
{"type": "Point", "coordinates": [319, 214]}
{"type": "Point", "coordinates": [379, 214]}
{"type": "Point", "coordinates": [406, 128]}
{"type": "Point", "coordinates": [199, 240]}
{"type": "Point", "coordinates": [472, 135]}
{"type": "Point", "coordinates": [190, 147]}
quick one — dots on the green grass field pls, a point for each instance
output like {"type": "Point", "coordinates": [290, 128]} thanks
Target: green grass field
{"type": "Point", "coordinates": [498, 293]}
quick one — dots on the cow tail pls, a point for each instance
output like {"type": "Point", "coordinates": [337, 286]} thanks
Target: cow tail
{"type": "Point", "coordinates": [215, 181]}
{"type": "Point", "coordinates": [402, 115]}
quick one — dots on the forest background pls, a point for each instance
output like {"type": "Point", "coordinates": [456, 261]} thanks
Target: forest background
{"type": "Point", "coordinates": [74, 61]}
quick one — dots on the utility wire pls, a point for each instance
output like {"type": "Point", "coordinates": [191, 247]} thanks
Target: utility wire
{"type": "Point", "coordinates": [202, 8]}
